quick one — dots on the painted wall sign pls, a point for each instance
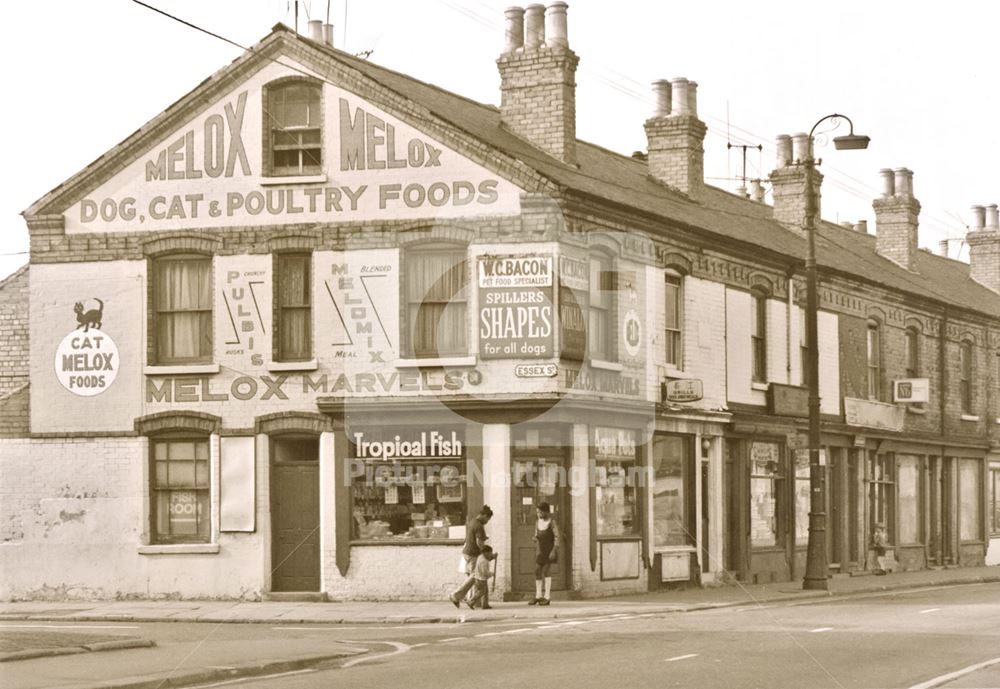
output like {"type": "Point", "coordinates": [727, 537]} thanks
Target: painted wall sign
{"type": "Point", "coordinates": [212, 172]}
{"type": "Point", "coordinates": [516, 315]}
{"type": "Point", "coordinates": [873, 414]}
{"type": "Point", "coordinates": [87, 362]}
{"type": "Point", "coordinates": [911, 390]}
{"type": "Point", "coordinates": [690, 390]}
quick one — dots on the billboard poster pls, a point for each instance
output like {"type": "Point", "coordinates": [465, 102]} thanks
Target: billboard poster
{"type": "Point", "coordinates": [516, 316]}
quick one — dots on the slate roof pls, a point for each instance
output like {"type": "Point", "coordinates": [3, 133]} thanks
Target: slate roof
{"type": "Point", "coordinates": [623, 181]}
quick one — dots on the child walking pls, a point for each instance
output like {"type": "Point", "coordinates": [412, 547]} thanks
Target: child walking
{"type": "Point", "coordinates": [482, 572]}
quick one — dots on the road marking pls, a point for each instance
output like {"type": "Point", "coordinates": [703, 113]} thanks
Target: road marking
{"type": "Point", "coordinates": [929, 610]}
{"type": "Point", "coordinates": [256, 678]}
{"type": "Point", "coordinates": [418, 645]}
{"type": "Point", "coordinates": [454, 638]}
{"type": "Point", "coordinates": [684, 657]}
{"type": "Point", "coordinates": [944, 679]}
{"type": "Point", "coordinates": [820, 629]}
{"type": "Point", "coordinates": [65, 626]}
{"type": "Point", "coordinates": [400, 648]}
{"type": "Point", "coordinates": [327, 628]}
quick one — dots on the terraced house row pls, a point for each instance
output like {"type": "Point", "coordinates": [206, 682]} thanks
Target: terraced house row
{"type": "Point", "coordinates": [292, 333]}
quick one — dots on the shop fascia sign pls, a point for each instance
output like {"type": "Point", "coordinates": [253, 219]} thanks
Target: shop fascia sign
{"type": "Point", "coordinates": [687, 390]}
{"type": "Point", "coordinates": [614, 442]}
{"type": "Point", "coordinates": [433, 444]}
{"type": "Point", "coordinates": [873, 414]}
{"type": "Point", "coordinates": [911, 390]}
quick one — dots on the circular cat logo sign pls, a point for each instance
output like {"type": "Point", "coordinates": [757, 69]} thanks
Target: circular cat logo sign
{"type": "Point", "coordinates": [87, 362]}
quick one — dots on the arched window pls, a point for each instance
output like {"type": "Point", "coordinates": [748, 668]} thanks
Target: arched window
{"type": "Point", "coordinates": [674, 318]}
{"type": "Point", "coordinates": [182, 309]}
{"type": "Point", "coordinates": [758, 335]}
{"type": "Point", "coordinates": [874, 351]}
{"type": "Point", "coordinates": [601, 332]}
{"type": "Point", "coordinates": [293, 306]}
{"type": "Point", "coordinates": [965, 375]}
{"type": "Point", "coordinates": [294, 119]}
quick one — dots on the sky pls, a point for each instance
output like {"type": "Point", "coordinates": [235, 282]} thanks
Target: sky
{"type": "Point", "coordinates": [920, 80]}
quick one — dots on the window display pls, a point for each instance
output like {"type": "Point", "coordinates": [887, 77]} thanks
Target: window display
{"type": "Point", "coordinates": [616, 477]}
{"type": "Point", "coordinates": [765, 477]}
{"type": "Point", "coordinates": [671, 459]}
{"type": "Point", "coordinates": [909, 499]}
{"type": "Point", "coordinates": [969, 499]}
{"type": "Point", "coordinates": [802, 495]}
{"type": "Point", "coordinates": [408, 487]}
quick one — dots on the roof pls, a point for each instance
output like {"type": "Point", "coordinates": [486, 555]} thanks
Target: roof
{"type": "Point", "coordinates": [624, 181]}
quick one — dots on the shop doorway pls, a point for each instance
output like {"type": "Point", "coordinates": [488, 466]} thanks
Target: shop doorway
{"type": "Point", "coordinates": [295, 514]}
{"type": "Point", "coordinates": [538, 478]}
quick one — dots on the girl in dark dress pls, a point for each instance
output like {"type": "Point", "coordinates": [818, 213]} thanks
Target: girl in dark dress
{"type": "Point", "coordinates": [546, 539]}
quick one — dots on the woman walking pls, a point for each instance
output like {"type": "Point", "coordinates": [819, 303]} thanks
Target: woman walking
{"type": "Point", "coordinates": [547, 538]}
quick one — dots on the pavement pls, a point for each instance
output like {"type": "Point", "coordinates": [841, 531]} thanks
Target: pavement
{"type": "Point", "coordinates": [155, 666]}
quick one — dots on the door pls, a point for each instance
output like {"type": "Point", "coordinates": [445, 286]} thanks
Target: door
{"type": "Point", "coordinates": [295, 515]}
{"type": "Point", "coordinates": [538, 479]}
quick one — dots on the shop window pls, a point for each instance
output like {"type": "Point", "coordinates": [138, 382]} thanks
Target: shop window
{"type": "Point", "coordinates": [182, 309]}
{"type": "Point", "coordinates": [874, 355]}
{"type": "Point", "coordinates": [601, 330]}
{"type": "Point", "coordinates": [908, 478]}
{"type": "Point", "coordinates": [180, 490]}
{"type": "Point", "coordinates": [293, 307]}
{"type": "Point", "coordinates": [766, 503]}
{"type": "Point", "coordinates": [803, 502]}
{"type": "Point", "coordinates": [881, 493]}
{"type": "Point", "coordinates": [758, 336]}
{"type": "Point", "coordinates": [672, 460]}
{"type": "Point", "coordinates": [295, 118]}
{"type": "Point", "coordinates": [995, 501]}
{"type": "Point", "coordinates": [673, 319]}
{"type": "Point", "coordinates": [436, 293]}
{"type": "Point", "coordinates": [969, 499]}
{"type": "Point", "coordinates": [965, 376]}
{"type": "Point", "coordinates": [912, 353]}
{"type": "Point", "coordinates": [617, 477]}
{"type": "Point", "coordinates": [408, 486]}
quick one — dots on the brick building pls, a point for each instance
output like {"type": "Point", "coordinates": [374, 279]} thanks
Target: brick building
{"type": "Point", "coordinates": [294, 331]}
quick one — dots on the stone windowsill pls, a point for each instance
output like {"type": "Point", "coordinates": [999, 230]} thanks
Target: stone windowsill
{"type": "Point", "coordinates": [969, 417]}
{"type": "Point", "coordinates": [442, 362]}
{"type": "Point", "coordinates": [296, 179]}
{"type": "Point", "coordinates": [760, 387]}
{"type": "Point", "coordinates": [911, 409]}
{"type": "Point", "coordinates": [180, 549]}
{"type": "Point", "coordinates": [281, 366]}
{"type": "Point", "coordinates": [181, 369]}
{"type": "Point", "coordinates": [671, 372]}
{"type": "Point", "coordinates": [606, 365]}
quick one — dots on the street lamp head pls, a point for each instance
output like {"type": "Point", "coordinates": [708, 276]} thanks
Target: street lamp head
{"type": "Point", "coordinates": [851, 142]}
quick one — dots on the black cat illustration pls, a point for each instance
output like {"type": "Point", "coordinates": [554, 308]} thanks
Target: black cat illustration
{"type": "Point", "coordinates": [90, 319]}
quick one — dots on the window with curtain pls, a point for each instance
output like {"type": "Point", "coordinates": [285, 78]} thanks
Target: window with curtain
{"type": "Point", "coordinates": [674, 315]}
{"type": "Point", "coordinates": [601, 308]}
{"type": "Point", "coordinates": [965, 376]}
{"type": "Point", "coordinates": [874, 354]}
{"type": "Point", "coordinates": [295, 119]}
{"type": "Point", "coordinates": [293, 306]}
{"type": "Point", "coordinates": [969, 499]}
{"type": "Point", "coordinates": [180, 490]}
{"type": "Point", "coordinates": [912, 353]}
{"type": "Point", "coordinates": [182, 304]}
{"type": "Point", "coordinates": [910, 517]}
{"type": "Point", "coordinates": [436, 295]}
{"type": "Point", "coordinates": [758, 336]}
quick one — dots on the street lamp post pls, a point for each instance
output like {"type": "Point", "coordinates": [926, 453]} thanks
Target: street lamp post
{"type": "Point", "coordinates": [816, 563]}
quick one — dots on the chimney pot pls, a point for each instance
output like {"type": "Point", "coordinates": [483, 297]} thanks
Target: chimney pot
{"type": "Point", "coordinates": [756, 190]}
{"type": "Point", "coordinates": [661, 93]}
{"type": "Point", "coordinates": [534, 26]}
{"type": "Point", "coordinates": [978, 217]}
{"type": "Point", "coordinates": [861, 226]}
{"type": "Point", "coordinates": [514, 31]}
{"type": "Point", "coordinates": [693, 98]}
{"type": "Point", "coordinates": [555, 25]}
{"type": "Point", "coordinates": [888, 183]}
{"type": "Point", "coordinates": [904, 181]}
{"type": "Point", "coordinates": [783, 144]}
{"type": "Point", "coordinates": [847, 225]}
{"type": "Point", "coordinates": [943, 248]}
{"type": "Point", "coordinates": [800, 147]}
{"type": "Point", "coordinates": [316, 30]}
{"type": "Point", "coordinates": [992, 219]}
{"type": "Point", "coordinates": [328, 34]}
{"type": "Point", "coordinates": [680, 101]}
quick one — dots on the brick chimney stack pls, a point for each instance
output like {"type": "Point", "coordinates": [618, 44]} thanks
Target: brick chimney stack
{"type": "Point", "coordinates": [896, 218]}
{"type": "Point", "coordinates": [984, 247]}
{"type": "Point", "coordinates": [788, 181]}
{"type": "Point", "coordinates": [538, 79]}
{"type": "Point", "coordinates": [675, 137]}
